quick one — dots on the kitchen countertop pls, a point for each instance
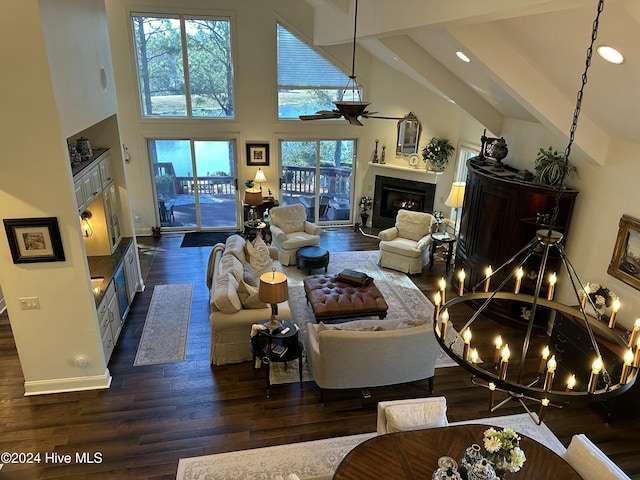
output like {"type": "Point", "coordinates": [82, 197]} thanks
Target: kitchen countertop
{"type": "Point", "coordinates": [106, 265]}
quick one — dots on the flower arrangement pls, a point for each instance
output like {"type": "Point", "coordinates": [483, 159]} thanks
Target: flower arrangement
{"type": "Point", "coordinates": [599, 294]}
{"type": "Point", "coordinates": [437, 152]}
{"type": "Point", "coordinates": [503, 449]}
{"type": "Point", "coordinates": [365, 204]}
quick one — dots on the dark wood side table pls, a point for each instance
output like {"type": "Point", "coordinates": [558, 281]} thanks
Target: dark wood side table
{"type": "Point", "coordinates": [442, 239]}
{"type": "Point", "coordinates": [415, 454]}
{"type": "Point", "coordinates": [262, 346]}
{"type": "Point", "coordinates": [312, 257]}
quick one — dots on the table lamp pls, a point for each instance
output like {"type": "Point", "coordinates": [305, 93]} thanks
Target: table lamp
{"type": "Point", "coordinates": [455, 200]}
{"type": "Point", "coordinates": [260, 178]}
{"type": "Point", "coordinates": [253, 198]}
{"type": "Point", "coordinates": [273, 290]}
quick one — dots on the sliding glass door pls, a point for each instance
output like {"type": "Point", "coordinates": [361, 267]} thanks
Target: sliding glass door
{"type": "Point", "coordinates": [195, 184]}
{"type": "Point", "coordinates": [319, 174]}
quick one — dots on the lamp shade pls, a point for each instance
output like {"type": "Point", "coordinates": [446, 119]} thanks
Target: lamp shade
{"type": "Point", "coordinates": [253, 197]}
{"type": "Point", "coordinates": [456, 195]}
{"type": "Point", "coordinates": [273, 288]}
{"type": "Point", "coordinates": [260, 178]}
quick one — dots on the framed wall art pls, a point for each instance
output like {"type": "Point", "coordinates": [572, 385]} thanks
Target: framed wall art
{"type": "Point", "coordinates": [625, 261]}
{"type": "Point", "coordinates": [257, 154]}
{"type": "Point", "coordinates": [34, 240]}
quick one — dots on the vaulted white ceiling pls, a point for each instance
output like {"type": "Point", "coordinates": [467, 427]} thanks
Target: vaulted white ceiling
{"type": "Point", "coordinates": [527, 58]}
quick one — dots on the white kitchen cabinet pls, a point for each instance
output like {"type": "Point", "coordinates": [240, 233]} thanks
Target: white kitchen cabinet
{"type": "Point", "coordinates": [106, 175]}
{"type": "Point", "coordinates": [130, 273]}
{"type": "Point", "coordinates": [109, 319]}
{"type": "Point", "coordinates": [110, 197]}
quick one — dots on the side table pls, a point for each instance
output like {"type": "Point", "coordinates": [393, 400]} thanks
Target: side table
{"type": "Point", "coordinates": [442, 239]}
{"type": "Point", "coordinates": [262, 346]}
{"type": "Point", "coordinates": [253, 229]}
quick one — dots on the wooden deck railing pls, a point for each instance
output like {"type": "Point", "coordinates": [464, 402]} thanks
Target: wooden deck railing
{"type": "Point", "coordinates": [296, 181]}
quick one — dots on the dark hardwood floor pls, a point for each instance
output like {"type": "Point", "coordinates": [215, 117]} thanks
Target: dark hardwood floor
{"type": "Point", "coordinates": [154, 415]}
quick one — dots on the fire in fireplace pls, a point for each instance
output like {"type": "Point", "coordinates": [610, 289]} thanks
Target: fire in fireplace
{"type": "Point", "coordinates": [392, 194]}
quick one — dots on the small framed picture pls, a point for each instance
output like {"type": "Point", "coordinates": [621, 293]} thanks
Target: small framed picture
{"type": "Point", "coordinates": [34, 240]}
{"type": "Point", "coordinates": [257, 154]}
{"type": "Point", "coordinates": [625, 261]}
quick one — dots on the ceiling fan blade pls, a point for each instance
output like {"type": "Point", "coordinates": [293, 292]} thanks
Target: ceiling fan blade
{"type": "Point", "coordinates": [379, 116]}
{"type": "Point", "coordinates": [353, 120]}
{"type": "Point", "coordinates": [322, 115]}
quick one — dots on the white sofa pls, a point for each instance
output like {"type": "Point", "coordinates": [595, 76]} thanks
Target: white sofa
{"type": "Point", "coordinates": [590, 462]}
{"type": "Point", "coordinates": [370, 353]}
{"type": "Point", "coordinates": [405, 247]}
{"type": "Point", "coordinates": [233, 285]}
{"type": "Point", "coordinates": [291, 231]}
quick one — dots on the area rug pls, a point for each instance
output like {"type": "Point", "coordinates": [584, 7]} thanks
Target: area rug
{"type": "Point", "coordinates": [166, 328]}
{"type": "Point", "coordinates": [204, 239]}
{"type": "Point", "coordinates": [318, 459]}
{"type": "Point", "coordinates": [405, 300]}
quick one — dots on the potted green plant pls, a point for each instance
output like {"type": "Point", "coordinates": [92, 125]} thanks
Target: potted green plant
{"type": "Point", "coordinates": [551, 168]}
{"type": "Point", "coordinates": [436, 153]}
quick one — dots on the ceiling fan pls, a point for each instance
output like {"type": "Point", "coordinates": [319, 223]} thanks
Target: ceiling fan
{"type": "Point", "coordinates": [352, 110]}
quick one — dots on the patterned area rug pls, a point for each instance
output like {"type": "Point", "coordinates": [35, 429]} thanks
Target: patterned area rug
{"type": "Point", "coordinates": [166, 328]}
{"type": "Point", "coordinates": [405, 300]}
{"type": "Point", "coordinates": [318, 459]}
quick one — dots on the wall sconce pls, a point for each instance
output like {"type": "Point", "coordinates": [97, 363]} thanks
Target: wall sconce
{"type": "Point", "coordinates": [85, 226]}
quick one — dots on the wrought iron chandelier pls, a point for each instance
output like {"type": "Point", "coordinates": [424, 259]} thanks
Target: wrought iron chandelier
{"type": "Point", "coordinates": [532, 380]}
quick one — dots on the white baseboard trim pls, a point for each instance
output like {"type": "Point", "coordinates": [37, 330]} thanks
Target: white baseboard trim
{"type": "Point", "coordinates": [62, 385]}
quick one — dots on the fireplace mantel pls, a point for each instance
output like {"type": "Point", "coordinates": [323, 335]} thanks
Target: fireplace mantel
{"type": "Point", "coordinates": [429, 177]}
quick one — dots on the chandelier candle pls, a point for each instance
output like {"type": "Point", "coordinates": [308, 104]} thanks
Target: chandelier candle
{"type": "Point", "coordinates": [628, 358]}
{"type": "Point", "coordinates": [585, 295]}
{"type": "Point", "coordinates": [543, 407]}
{"type": "Point", "coordinates": [543, 360]}
{"type": "Point", "coordinates": [551, 369]}
{"type": "Point", "coordinates": [519, 275]}
{"type": "Point", "coordinates": [461, 277]}
{"type": "Point", "coordinates": [496, 355]}
{"type": "Point", "coordinates": [636, 358]}
{"type": "Point", "coordinates": [467, 344]}
{"type": "Point", "coordinates": [634, 332]}
{"type": "Point", "coordinates": [571, 382]}
{"type": "Point", "coordinates": [443, 285]}
{"type": "Point", "coordinates": [443, 325]}
{"type": "Point", "coordinates": [614, 310]}
{"type": "Point", "coordinates": [552, 286]}
{"type": "Point", "coordinates": [595, 372]}
{"type": "Point", "coordinates": [505, 362]}
{"type": "Point", "coordinates": [436, 300]}
{"type": "Point", "coordinates": [487, 273]}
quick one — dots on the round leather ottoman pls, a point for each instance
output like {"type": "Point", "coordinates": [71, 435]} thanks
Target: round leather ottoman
{"type": "Point", "coordinates": [312, 257]}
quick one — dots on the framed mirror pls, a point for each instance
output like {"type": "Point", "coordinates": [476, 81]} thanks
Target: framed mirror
{"type": "Point", "coordinates": [409, 129]}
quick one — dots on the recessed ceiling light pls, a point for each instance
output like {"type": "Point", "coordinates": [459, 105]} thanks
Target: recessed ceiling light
{"type": "Point", "coordinates": [610, 54]}
{"type": "Point", "coordinates": [462, 56]}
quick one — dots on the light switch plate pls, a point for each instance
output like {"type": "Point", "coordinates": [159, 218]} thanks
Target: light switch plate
{"type": "Point", "coordinates": [29, 303]}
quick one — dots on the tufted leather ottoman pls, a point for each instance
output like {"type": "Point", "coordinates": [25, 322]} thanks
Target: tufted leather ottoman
{"type": "Point", "coordinates": [333, 300]}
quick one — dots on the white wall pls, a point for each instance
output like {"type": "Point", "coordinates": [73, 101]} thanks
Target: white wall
{"type": "Point", "coordinates": [35, 181]}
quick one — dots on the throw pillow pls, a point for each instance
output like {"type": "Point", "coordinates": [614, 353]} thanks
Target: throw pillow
{"type": "Point", "coordinates": [259, 256]}
{"type": "Point", "coordinates": [235, 246]}
{"type": "Point", "coordinates": [226, 294]}
{"type": "Point", "coordinates": [249, 275]}
{"type": "Point", "coordinates": [415, 416]}
{"type": "Point", "coordinates": [230, 264]}
{"type": "Point", "coordinates": [249, 296]}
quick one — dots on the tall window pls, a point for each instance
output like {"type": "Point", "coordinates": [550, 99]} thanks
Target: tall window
{"type": "Point", "coordinates": [185, 66]}
{"type": "Point", "coordinates": [307, 82]}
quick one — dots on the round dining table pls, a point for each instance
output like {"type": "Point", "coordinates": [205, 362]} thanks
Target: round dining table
{"type": "Point", "coordinates": [414, 455]}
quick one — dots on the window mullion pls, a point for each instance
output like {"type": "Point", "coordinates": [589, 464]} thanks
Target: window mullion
{"type": "Point", "coordinates": [185, 65]}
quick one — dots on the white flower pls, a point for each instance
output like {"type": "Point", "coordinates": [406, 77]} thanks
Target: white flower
{"type": "Point", "coordinates": [516, 459]}
{"type": "Point", "coordinates": [492, 444]}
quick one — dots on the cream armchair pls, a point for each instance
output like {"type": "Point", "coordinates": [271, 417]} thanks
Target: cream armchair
{"type": "Point", "coordinates": [290, 231]}
{"type": "Point", "coordinates": [405, 247]}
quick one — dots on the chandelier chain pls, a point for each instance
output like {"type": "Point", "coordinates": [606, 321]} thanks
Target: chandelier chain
{"type": "Point", "coordinates": [576, 113]}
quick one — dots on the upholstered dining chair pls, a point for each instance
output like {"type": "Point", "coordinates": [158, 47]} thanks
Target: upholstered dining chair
{"type": "Point", "coordinates": [291, 231]}
{"type": "Point", "coordinates": [411, 414]}
{"type": "Point", "coordinates": [405, 246]}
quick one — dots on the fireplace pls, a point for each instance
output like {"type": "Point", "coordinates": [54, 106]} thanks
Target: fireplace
{"type": "Point", "coordinates": [393, 194]}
